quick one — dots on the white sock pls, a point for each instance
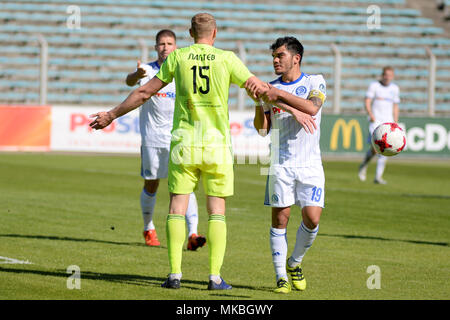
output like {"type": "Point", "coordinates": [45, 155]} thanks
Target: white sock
{"type": "Point", "coordinates": [215, 278]}
{"type": "Point", "coordinates": [278, 245]}
{"type": "Point", "coordinates": [173, 276]}
{"type": "Point", "coordinates": [304, 240]}
{"type": "Point", "coordinates": [148, 201]}
{"type": "Point", "coordinates": [381, 164]}
{"type": "Point", "coordinates": [192, 215]}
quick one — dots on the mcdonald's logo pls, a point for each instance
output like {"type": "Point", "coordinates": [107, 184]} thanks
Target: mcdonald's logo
{"type": "Point", "coordinates": [347, 129]}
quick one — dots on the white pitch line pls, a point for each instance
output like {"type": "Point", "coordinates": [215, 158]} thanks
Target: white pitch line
{"type": "Point", "coordinates": [6, 260]}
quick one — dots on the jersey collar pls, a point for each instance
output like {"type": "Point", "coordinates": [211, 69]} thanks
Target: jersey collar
{"type": "Point", "coordinates": [293, 82]}
{"type": "Point", "coordinates": [155, 64]}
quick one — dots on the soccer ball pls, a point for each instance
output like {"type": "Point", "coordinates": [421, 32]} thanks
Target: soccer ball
{"type": "Point", "coordinates": [388, 139]}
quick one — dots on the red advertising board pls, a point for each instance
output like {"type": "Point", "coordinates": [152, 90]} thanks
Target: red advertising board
{"type": "Point", "coordinates": [25, 128]}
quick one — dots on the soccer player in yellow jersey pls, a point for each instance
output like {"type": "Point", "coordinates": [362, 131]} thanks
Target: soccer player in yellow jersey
{"type": "Point", "coordinates": [201, 143]}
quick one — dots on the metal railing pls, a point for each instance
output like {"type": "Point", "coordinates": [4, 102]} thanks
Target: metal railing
{"type": "Point", "coordinates": [336, 108]}
{"type": "Point", "coordinates": [43, 69]}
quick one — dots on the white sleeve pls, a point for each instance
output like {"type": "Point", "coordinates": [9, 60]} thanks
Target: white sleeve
{"type": "Point", "coordinates": [371, 91]}
{"type": "Point", "coordinates": [319, 84]}
{"type": "Point", "coordinates": [149, 74]}
{"type": "Point", "coordinates": [318, 88]}
{"type": "Point", "coordinates": [397, 95]}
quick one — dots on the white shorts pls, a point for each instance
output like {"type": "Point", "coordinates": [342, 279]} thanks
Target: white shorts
{"type": "Point", "coordinates": [154, 162]}
{"type": "Point", "coordinates": [372, 127]}
{"type": "Point", "coordinates": [287, 186]}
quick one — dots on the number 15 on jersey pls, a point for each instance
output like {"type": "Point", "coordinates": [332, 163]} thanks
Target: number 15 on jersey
{"type": "Point", "coordinates": [204, 87]}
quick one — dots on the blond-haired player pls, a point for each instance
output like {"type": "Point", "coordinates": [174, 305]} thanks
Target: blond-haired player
{"type": "Point", "coordinates": [155, 124]}
{"type": "Point", "coordinates": [201, 143]}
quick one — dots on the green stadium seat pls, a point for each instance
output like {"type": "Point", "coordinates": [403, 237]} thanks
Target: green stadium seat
{"type": "Point", "coordinates": [106, 47]}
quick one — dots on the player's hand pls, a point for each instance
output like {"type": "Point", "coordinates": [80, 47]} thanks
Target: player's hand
{"type": "Point", "coordinates": [255, 87]}
{"type": "Point", "coordinates": [258, 101]}
{"type": "Point", "coordinates": [306, 120]}
{"type": "Point", "coordinates": [102, 120]}
{"type": "Point", "coordinates": [271, 95]}
{"type": "Point", "coordinates": [140, 70]}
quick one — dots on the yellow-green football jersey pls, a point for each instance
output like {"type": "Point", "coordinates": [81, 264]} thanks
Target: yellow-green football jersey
{"type": "Point", "coordinates": [203, 75]}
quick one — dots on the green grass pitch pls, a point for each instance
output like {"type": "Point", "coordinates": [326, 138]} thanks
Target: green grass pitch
{"type": "Point", "coordinates": [62, 210]}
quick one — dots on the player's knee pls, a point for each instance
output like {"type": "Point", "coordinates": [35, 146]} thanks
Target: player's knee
{"type": "Point", "coordinates": [178, 203]}
{"type": "Point", "coordinates": [311, 222]}
{"type": "Point", "coordinates": [311, 216]}
{"type": "Point", "coordinates": [215, 205]}
{"type": "Point", "coordinates": [151, 186]}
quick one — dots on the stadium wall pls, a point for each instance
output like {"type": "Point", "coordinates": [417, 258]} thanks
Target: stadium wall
{"type": "Point", "coordinates": [425, 136]}
{"type": "Point", "coordinates": [66, 128]}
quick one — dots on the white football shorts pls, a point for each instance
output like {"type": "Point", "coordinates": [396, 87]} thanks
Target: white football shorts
{"type": "Point", "coordinates": [372, 127]}
{"type": "Point", "coordinates": [154, 162]}
{"type": "Point", "coordinates": [303, 187]}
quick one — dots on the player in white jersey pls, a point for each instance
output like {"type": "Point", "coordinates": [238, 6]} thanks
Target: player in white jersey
{"type": "Point", "coordinates": [382, 99]}
{"type": "Point", "coordinates": [155, 122]}
{"type": "Point", "coordinates": [291, 111]}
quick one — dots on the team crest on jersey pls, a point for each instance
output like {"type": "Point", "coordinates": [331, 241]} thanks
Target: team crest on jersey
{"type": "Point", "coordinates": [300, 91]}
{"type": "Point", "coordinates": [322, 87]}
{"type": "Point", "coordinates": [274, 198]}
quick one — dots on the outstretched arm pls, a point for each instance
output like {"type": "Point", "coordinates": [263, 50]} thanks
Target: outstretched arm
{"type": "Point", "coordinates": [136, 98]}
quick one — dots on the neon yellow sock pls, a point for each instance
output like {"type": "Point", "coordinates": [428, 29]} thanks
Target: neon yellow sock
{"type": "Point", "coordinates": [217, 241]}
{"type": "Point", "coordinates": [176, 233]}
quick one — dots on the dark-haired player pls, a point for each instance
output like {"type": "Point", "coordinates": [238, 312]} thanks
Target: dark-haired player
{"type": "Point", "coordinates": [292, 109]}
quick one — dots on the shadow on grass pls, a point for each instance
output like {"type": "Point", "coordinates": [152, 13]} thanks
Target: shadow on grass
{"type": "Point", "coordinates": [349, 236]}
{"type": "Point", "coordinates": [128, 279]}
{"type": "Point", "coordinates": [57, 238]}
{"type": "Point", "coordinates": [111, 277]}
{"type": "Point", "coordinates": [119, 278]}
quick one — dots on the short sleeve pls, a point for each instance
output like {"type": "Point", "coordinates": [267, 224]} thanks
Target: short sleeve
{"type": "Point", "coordinates": [318, 88]}
{"type": "Point", "coordinates": [370, 93]}
{"type": "Point", "coordinates": [239, 73]}
{"type": "Point", "coordinates": [397, 95]}
{"type": "Point", "coordinates": [149, 73]}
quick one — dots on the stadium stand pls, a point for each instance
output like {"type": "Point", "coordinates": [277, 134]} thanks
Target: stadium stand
{"type": "Point", "coordinates": [444, 5]}
{"type": "Point", "coordinates": [88, 65]}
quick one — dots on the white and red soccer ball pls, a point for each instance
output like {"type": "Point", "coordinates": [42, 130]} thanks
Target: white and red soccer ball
{"type": "Point", "coordinates": [388, 139]}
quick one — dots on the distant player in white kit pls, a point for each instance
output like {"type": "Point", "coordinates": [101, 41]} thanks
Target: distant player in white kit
{"type": "Point", "coordinates": [382, 99]}
{"type": "Point", "coordinates": [292, 112]}
{"type": "Point", "coordinates": [155, 122]}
